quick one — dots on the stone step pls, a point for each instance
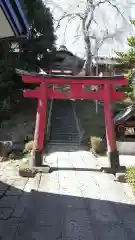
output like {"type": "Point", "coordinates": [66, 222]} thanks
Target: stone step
{"type": "Point", "coordinates": [53, 133]}
{"type": "Point", "coordinates": [64, 129]}
{"type": "Point", "coordinates": [64, 138]}
{"type": "Point", "coordinates": [64, 143]}
{"type": "Point", "coordinates": [63, 124]}
{"type": "Point", "coordinates": [65, 132]}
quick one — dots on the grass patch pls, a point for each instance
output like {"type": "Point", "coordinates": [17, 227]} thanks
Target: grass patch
{"type": "Point", "coordinates": [130, 176]}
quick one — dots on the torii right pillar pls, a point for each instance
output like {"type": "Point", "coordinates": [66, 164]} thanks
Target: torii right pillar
{"type": "Point", "coordinates": [113, 154]}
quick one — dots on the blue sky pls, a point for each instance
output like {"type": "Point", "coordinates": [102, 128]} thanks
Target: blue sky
{"type": "Point", "coordinates": [106, 16]}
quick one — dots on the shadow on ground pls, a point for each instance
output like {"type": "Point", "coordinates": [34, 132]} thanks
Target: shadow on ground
{"type": "Point", "coordinates": [38, 215]}
{"type": "Point", "coordinates": [74, 169]}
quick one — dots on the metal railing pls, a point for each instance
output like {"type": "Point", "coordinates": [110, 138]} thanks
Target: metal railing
{"type": "Point", "coordinates": [78, 123]}
{"type": "Point", "coordinates": [49, 115]}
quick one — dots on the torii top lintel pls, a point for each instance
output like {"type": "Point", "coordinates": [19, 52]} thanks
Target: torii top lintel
{"type": "Point", "coordinates": [90, 80]}
{"type": "Point", "coordinates": [77, 87]}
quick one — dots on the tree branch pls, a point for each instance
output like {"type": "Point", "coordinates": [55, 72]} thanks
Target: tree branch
{"type": "Point", "coordinates": [106, 36]}
{"type": "Point", "coordinates": [117, 9]}
{"type": "Point", "coordinates": [69, 20]}
{"type": "Point", "coordinates": [91, 17]}
{"type": "Point", "coordinates": [77, 36]}
{"type": "Point", "coordinates": [66, 15]}
{"type": "Point", "coordinates": [100, 2]}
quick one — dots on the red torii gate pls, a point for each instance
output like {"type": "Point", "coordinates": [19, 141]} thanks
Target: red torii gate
{"type": "Point", "coordinates": [107, 93]}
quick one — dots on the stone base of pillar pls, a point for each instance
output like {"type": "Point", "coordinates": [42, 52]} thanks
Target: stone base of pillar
{"type": "Point", "coordinates": [34, 166]}
{"type": "Point", "coordinates": [115, 167]}
{"type": "Point", "coordinates": [114, 171]}
{"type": "Point", "coordinates": [30, 172]}
{"type": "Point", "coordinates": [113, 158]}
{"type": "Point", "coordinates": [36, 158]}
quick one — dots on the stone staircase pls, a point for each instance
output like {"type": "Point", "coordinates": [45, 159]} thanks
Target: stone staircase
{"type": "Point", "coordinates": [65, 128]}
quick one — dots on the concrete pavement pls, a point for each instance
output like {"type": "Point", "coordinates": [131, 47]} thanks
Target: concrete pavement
{"type": "Point", "coordinates": [125, 160]}
{"type": "Point", "coordinates": [126, 147]}
{"type": "Point", "coordinates": [73, 202]}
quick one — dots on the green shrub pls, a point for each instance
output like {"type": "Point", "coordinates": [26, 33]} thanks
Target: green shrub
{"type": "Point", "coordinates": [28, 147]}
{"type": "Point", "coordinates": [130, 176]}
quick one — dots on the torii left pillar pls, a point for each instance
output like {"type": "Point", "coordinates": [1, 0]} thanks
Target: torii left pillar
{"type": "Point", "coordinates": [35, 164]}
{"type": "Point", "coordinates": [38, 145]}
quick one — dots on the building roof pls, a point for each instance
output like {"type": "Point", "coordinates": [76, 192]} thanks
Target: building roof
{"type": "Point", "coordinates": [106, 61]}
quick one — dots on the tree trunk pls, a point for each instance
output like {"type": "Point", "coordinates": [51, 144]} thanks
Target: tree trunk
{"type": "Point", "coordinates": [88, 65]}
{"type": "Point", "coordinates": [87, 41]}
{"type": "Point", "coordinates": [97, 68]}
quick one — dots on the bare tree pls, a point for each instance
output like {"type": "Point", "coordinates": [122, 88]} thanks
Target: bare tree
{"type": "Point", "coordinates": [100, 40]}
{"type": "Point", "coordinates": [88, 21]}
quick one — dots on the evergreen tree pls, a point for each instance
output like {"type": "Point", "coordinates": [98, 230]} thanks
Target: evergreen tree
{"type": "Point", "coordinates": [127, 60]}
{"type": "Point", "coordinates": [127, 63]}
{"type": "Point", "coordinates": [37, 51]}
{"type": "Point", "coordinates": [34, 51]}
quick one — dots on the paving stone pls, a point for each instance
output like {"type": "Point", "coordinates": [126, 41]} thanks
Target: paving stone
{"type": "Point", "coordinates": [40, 217]}
{"type": "Point", "coordinates": [49, 183]}
{"type": "Point", "coordinates": [3, 186]}
{"type": "Point", "coordinates": [5, 213]}
{"type": "Point", "coordinates": [36, 183]}
{"type": "Point", "coordinates": [9, 201]}
{"type": "Point", "coordinates": [23, 204]}
{"type": "Point", "coordinates": [8, 181]}
{"type": "Point", "coordinates": [43, 181]}
{"type": "Point", "coordinates": [67, 204]}
{"type": "Point", "coordinates": [110, 189]}
{"type": "Point", "coordinates": [7, 229]}
{"type": "Point", "coordinates": [43, 216]}
{"type": "Point", "coordinates": [102, 210]}
{"type": "Point", "coordinates": [14, 191]}
{"type": "Point", "coordinates": [37, 233]}
{"type": "Point", "coordinates": [47, 232]}
{"type": "Point", "coordinates": [77, 226]}
{"type": "Point", "coordinates": [115, 231]}
{"type": "Point", "coordinates": [31, 184]}
{"type": "Point", "coordinates": [27, 197]}
{"type": "Point", "coordinates": [37, 210]}
{"type": "Point", "coordinates": [2, 192]}
{"type": "Point", "coordinates": [20, 183]}
{"type": "Point", "coordinates": [51, 159]}
{"type": "Point", "coordinates": [70, 202]}
{"type": "Point", "coordinates": [126, 214]}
